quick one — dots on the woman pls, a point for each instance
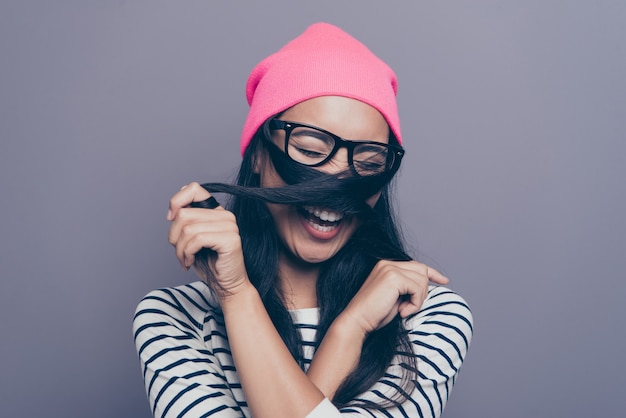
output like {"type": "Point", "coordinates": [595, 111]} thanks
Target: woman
{"type": "Point", "coordinates": [312, 306]}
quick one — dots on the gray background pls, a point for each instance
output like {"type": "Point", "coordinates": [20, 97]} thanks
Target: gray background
{"type": "Point", "coordinates": [514, 118]}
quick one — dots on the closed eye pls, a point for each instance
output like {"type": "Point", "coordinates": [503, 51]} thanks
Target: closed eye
{"type": "Point", "coordinates": [310, 153]}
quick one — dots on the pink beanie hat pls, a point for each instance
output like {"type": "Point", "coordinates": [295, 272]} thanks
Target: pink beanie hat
{"type": "Point", "coordinates": [322, 61]}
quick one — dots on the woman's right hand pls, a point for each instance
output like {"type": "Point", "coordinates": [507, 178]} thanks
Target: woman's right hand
{"type": "Point", "coordinates": [216, 229]}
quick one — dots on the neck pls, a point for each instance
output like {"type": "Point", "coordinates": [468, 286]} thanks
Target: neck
{"type": "Point", "coordinates": [298, 282]}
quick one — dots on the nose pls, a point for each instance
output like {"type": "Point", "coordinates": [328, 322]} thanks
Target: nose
{"type": "Point", "coordinates": [338, 163]}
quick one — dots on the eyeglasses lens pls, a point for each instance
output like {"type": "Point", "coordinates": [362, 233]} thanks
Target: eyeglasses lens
{"type": "Point", "coordinates": [308, 146]}
{"type": "Point", "coordinates": [370, 159]}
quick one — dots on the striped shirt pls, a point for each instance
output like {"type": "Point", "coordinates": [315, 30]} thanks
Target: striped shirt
{"type": "Point", "coordinates": [188, 369]}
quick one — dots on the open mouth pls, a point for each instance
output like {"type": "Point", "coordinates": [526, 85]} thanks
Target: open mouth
{"type": "Point", "coordinates": [320, 219]}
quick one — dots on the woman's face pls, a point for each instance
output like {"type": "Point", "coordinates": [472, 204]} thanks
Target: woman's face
{"type": "Point", "coordinates": [315, 234]}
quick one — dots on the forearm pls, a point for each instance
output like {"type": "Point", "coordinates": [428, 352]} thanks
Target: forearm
{"type": "Point", "coordinates": [272, 381]}
{"type": "Point", "coordinates": [337, 356]}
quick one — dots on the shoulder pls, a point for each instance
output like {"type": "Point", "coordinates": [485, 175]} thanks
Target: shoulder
{"type": "Point", "coordinates": [185, 306]}
{"type": "Point", "coordinates": [443, 327]}
{"type": "Point", "coordinates": [184, 353]}
{"type": "Point", "coordinates": [445, 308]}
{"type": "Point", "coordinates": [443, 301]}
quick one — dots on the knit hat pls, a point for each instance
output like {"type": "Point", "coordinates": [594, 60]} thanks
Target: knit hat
{"type": "Point", "coordinates": [323, 61]}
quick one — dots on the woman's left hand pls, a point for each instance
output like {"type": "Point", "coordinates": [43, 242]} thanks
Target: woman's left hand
{"type": "Point", "coordinates": [393, 287]}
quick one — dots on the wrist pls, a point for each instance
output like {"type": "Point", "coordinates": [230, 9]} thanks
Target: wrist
{"type": "Point", "coordinates": [239, 298]}
{"type": "Point", "coordinates": [348, 327]}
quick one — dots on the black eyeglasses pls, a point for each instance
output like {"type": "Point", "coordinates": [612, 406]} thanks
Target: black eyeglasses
{"type": "Point", "coordinates": [314, 147]}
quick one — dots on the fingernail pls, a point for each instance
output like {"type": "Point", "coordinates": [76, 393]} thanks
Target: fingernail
{"type": "Point", "coordinates": [169, 215]}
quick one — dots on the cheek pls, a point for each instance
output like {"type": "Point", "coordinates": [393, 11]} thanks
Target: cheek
{"type": "Point", "coordinates": [279, 215]}
{"type": "Point", "coordinates": [269, 177]}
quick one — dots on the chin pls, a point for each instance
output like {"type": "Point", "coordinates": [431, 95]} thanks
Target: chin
{"type": "Point", "coordinates": [313, 251]}
{"type": "Point", "coordinates": [316, 258]}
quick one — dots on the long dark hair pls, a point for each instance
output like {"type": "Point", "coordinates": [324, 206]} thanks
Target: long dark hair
{"type": "Point", "coordinates": [341, 276]}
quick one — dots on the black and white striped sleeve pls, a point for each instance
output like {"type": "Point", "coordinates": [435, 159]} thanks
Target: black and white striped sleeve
{"type": "Point", "coordinates": [184, 374]}
{"type": "Point", "coordinates": [441, 333]}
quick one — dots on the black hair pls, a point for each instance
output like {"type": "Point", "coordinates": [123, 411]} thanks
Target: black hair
{"type": "Point", "coordinates": [340, 277]}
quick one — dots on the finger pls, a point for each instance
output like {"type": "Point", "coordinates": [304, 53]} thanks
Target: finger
{"type": "Point", "coordinates": [435, 276]}
{"type": "Point", "coordinates": [407, 309]}
{"type": "Point", "coordinates": [404, 266]}
{"type": "Point", "coordinates": [424, 270]}
{"type": "Point", "coordinates": [192, 192]}
{"type": "Point", "coordinates": [412, 289]}
{"type": "Point", "coordinates": [210, 203]}
{"type": "Point", "coordinates": [190, 244]}
{"type": "Point", "coordinates": [413, 300]}
{"type": "Point", "coordinates": [189, 216]}
{"type": "Point", "coordinates": [220, 234]}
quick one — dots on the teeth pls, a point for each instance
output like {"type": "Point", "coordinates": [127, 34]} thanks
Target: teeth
{"type": "Point", "coordinates": [324, 215]}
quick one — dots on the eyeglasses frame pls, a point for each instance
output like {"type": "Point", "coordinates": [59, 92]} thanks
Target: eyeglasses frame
{"type": "Point", "coordinates": [397, 152]}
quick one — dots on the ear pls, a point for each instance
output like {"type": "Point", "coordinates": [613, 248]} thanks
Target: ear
{"type": "Point", "coordinates": [258, 161]}
{"type": "Point", "coordinates": [372, 200]}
